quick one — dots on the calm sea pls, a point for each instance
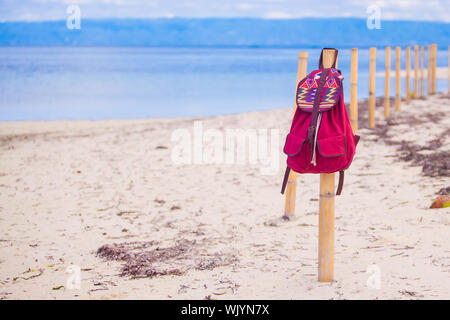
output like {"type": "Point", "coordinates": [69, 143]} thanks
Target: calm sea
{"type": "Point", "coordinates": [97, 83]}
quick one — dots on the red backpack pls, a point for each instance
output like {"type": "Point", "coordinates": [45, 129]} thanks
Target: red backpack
{"type": "Point", "coordinates": [321, 139]}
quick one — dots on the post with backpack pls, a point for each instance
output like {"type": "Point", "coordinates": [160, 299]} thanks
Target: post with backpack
{"type": "Point", "coordinates": [289, 208]}
{"type": "Point", "coordinates": [321, 141]}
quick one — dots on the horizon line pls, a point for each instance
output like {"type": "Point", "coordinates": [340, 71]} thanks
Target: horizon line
{"type": "Point", "coordinates": [223, 18]}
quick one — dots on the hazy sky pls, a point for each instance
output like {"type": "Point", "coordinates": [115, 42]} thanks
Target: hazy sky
{"type": "Point", "coordinates": [32, 10]}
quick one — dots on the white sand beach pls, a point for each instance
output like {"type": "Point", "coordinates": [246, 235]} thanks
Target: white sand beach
{"type": "Point", "coordinates": [441, 73]}
{"type": "Point", "coordinates": [69, 187]}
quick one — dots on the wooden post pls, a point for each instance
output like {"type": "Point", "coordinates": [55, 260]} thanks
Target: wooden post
{"type": "Point", "coordinates": [408, 73]}
{"type": "Point", "coordinates": [291, 188]}
{"type": "Point", "coordinates": [433, 64]}
{"type": "Point", "coordinates": [416, 71]}
{"type": "Point", "coordinates": [398, 93]}
{"type": "Point", "coordinates": [326, 209]}
{"type": "Point", "coordinates": [387, 80]}
{"type": "Point", "coordinates": [354, 90]}
{"type": "Point", "coordinates": [421, 70]}
{"type": "Point", "coordinates": [429, 56]}
{"type": "Point", "coordinates": [372, 64]}
{"type": "Point", "coordinates": [448, 69]}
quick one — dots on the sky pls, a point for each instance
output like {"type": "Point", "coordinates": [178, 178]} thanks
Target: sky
{"type": "Point", "coordinates": [41, 10]}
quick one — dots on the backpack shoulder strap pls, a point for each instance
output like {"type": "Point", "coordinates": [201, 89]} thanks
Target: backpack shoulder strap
{"type": "Point", "coordinates": [315, 111]}
{"type": "Point", "coordinates": [285, 180]}
{"type": "Point", "coordinates": [341, 173]}
{"type": "Point", "coordinates": [341, 183]}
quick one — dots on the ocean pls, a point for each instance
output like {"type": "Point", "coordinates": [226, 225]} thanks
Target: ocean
{"type": "Point", "coordinates": [52, 83]}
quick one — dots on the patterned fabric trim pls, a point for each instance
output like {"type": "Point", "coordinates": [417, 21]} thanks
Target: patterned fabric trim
{"type": "Point", "coordinates": [330, 94]}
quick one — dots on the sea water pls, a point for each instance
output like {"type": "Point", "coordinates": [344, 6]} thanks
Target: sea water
{"type": "Point", "coordinates": [50, 83]}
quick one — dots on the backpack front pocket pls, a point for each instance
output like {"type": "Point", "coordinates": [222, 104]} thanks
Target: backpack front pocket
{"type": "Point", "coordinates": [332, 146]}
{"type": "Point", "coordinates": [331, 153]}
{"type": "Point", "coordinates": [293, 145]}
{"type": "Point", "coordinates": [298, 153]}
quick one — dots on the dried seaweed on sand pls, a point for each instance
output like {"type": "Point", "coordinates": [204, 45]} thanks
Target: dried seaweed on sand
{"type": "Point", "coordinates": [148, 259]}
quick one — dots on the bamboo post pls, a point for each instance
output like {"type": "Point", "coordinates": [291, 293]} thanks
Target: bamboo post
{"type": "Point", "coordinates": [398, 97]}
{"type": "Point", "coordinates": [433, 64]}
{"type": "Point", "coordinates": [387, 80]}
{"type": "Point", "coordinates": [373, 56]}
{"type": "Point", "coordinates": [354, 90]}
{"type": "Point", "coordinates": [416, 71]}
{"type": "Point", "coordinates": [429, 56]}
{"type": "Point", "coordinates": [291, 187]}
{"type": "Point", "coordinates": [408, 73]}
{"type": "Point", "coordinates": [326, 209]}
{"type": "Point", "coordinates": [421, 70]}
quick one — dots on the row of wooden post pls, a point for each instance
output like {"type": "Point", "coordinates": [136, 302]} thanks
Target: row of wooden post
{"type": "Point", "coordinates": [327, 181]}
{"type": "Point", "coordinates": [418, 81]}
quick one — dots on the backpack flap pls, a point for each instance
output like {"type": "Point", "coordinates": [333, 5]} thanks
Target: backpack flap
{"type": "Point", "coordinates": [330, 94]}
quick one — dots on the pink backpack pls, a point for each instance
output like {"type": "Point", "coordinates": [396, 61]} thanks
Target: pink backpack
{"type": "Point", "coordinates": [321, 139]}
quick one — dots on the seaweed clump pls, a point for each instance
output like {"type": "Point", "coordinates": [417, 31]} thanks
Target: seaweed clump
{"type": "Point", "coordinates": [148, 259]}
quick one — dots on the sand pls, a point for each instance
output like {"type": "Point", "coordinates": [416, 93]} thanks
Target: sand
{"type": "Point", "coordinates": [441, 73]}
{"type": "Point", "coordinates": [68, 188]}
